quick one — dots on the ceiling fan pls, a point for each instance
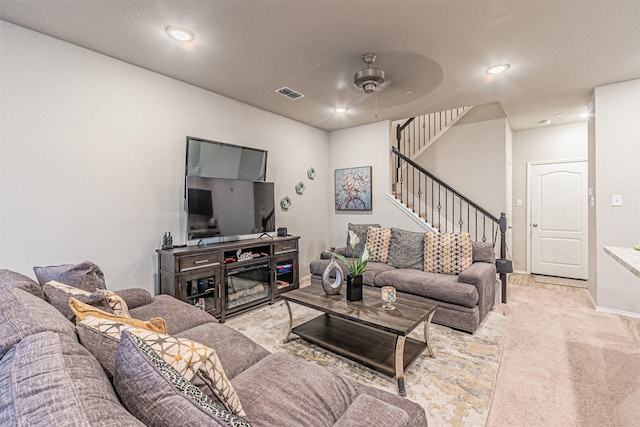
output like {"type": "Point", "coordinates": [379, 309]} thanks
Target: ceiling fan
{"type": "Point", "coordinates": [369, 78]}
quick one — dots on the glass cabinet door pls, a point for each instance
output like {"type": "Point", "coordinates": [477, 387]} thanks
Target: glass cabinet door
{"type": "Point", "coordinates": [286, 272]}
{"type": "Point", "coordinates": [203, 289]}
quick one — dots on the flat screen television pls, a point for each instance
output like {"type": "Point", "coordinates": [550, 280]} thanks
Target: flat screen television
{"type": "Point", "coordinates": [213, 159]}
{"type": "Point", "coordinates": [220, 209]}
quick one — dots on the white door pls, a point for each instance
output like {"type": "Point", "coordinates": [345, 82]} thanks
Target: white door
{"type": "Point", "coordinates": [558, 219]}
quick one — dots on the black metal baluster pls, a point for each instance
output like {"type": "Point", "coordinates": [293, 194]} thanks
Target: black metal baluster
{"type": "Point", "coordinates": [476, 235]}
{"type": "Point", "coordinates": [446, 215]}
{"type": "Point", "coordinates": [484, 227]}
{"type": "Point", "coordinates": [420, 194]}
{"type": "Point", "coordinates": [453, 213]}
{"type": "Point", "coordinates": [461, 222]}
{"type": "Point", "coordinates": [439, 209]}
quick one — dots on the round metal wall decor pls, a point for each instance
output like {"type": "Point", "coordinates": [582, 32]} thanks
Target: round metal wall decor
{"type": "Point", "coordinates": [285, 203]}
{"type": "Point", "coordinates": [311, 172]}
{"type": "Point", "coordinates": [300, 187]}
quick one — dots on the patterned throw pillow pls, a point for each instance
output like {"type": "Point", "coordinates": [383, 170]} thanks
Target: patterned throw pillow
{"type": "Point", "coordinates": [116, 302]}
{"type": "Point", "coordinates": [361, 231]}
{"type": "Point", "coordinates": [86, 275]}
{"type": "Point", "coordinates": [193, 359]}
{"type": "Point", "coordinates": [154, 391]}
{"type": "Point", "coordinates": [81, 310]}
{"type": "Point", "coordinates": [448, 253]}
{"type": "Point", "coordinates": [378, 240]}
{"type": "Point", "coordinates": [58, 295]}
{"type": "Point", "coordinates": [101, 337]}
{"type": "Point", "coordinates": [406, 249]}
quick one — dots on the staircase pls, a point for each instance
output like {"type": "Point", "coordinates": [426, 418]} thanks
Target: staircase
{"type": "Point", "coordinates": [436, 205]}
{"type": "Point", "coordinates": [418, 133]}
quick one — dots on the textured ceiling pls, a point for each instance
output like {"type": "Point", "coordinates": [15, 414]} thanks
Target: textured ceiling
{"type": "Point", "coordinates": [439, 50]}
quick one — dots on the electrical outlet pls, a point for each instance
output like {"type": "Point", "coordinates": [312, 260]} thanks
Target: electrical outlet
{"type": "Point", "coordinates": [616, 200]}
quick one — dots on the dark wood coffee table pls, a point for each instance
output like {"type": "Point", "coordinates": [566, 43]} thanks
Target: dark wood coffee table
{"type": "Point", "coordinates": [362, 330]}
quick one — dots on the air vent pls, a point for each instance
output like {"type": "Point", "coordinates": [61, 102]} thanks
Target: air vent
{"type": "Point", "coordinates": [289, 93]}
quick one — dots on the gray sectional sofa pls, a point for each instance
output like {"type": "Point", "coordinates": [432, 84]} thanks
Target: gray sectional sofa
{"type": "Point", "coordinates": [463, 299]}
{"type": "Point", "coordinates": [48, 377]}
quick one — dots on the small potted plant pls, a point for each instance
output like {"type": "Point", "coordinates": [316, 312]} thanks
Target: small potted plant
{"type": "Point", "coordinates": [356, 267]}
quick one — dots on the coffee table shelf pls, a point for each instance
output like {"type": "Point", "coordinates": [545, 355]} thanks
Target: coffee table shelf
{"type": "Point", "coordinates": [370, 347]}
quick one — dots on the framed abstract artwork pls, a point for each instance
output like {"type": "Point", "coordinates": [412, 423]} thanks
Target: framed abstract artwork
{"type": "Point", "coordinates": [353, 189]}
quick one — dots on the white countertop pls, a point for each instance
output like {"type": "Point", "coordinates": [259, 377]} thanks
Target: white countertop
{"type": "Point", "coordinates": [628, 257]}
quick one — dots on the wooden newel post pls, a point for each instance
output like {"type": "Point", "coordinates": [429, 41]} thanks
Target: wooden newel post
{"type": "Point", "coordinates": [503, 253]}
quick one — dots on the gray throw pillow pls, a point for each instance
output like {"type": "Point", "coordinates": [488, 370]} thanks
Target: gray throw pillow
{"type": "Point", "coordinates": [361, 231]}
{"type": "Point", "coordinates": [406, 249]}
{"type": "Point", "coordinates": [153, 391]}
{"type": "Point", "coordinates": [85, 275]}
{"type": "Point", "coordinates": [482, 252]}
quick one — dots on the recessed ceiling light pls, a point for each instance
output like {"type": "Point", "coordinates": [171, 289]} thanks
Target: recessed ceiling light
{"type": "Point", "coordinates": [497, 69]}
{"type": "Point", "coordinates": [584, 115]}
{"type": "Point", "coordinates": [341, 109]}
{"type": "Point", "coordinates": [408, 92]}
{"type": "Point", "coordinates": [180, 33]}
{"type": "Point", "coordinates": [544, 122]}
{"type": "Point", "coordinates": [559, 114]}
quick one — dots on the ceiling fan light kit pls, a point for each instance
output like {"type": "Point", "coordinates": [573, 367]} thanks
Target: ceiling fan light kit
{"type": "Point", "coordinates": [369, 78]}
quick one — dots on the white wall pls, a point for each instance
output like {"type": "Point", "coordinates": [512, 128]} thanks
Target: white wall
{"type": "Point", "coordinates": [368, 145]}
{"type": "Point", "coordinates": [471, 158]}
{"type": "Point", "coordinates": [549, 143]}
{"type": "Point", "coordinates": [593, 250]}
{"type": "Point", "coordinates": [617, 161]}
{"type": "Point", "coordinates": [508, 190]}
{"type": "Point", "coordinates": [92, 159]}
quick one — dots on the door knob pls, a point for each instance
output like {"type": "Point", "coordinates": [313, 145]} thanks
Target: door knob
{"type": "Point", "coordinates": [535, 225]}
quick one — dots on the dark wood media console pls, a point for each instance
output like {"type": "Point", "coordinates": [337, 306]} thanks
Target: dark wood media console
{"type": "Point", "coordinates": [231, 277]}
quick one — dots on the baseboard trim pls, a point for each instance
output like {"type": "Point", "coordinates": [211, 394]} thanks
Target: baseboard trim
{"type": "Point", "coordinates": [593, 302]}
{"type": "Point", "coordinates": [618, 312]}
{"type": "Point", "coordinates": [410, 214]}
{"type": "Point", "coordinates": [305, 281]}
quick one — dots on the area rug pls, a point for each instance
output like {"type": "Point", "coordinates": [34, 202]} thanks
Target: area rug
{"type": "Point", "coordinates": [565, 364]}
{"type": "Point", "coordinates": [455, 388]}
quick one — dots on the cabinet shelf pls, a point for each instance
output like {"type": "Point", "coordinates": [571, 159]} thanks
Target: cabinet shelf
{"type": "Point", "coordinates": [207, 292]}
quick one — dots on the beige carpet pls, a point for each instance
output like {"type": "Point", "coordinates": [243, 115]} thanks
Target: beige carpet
{"type": "Point", "coordinates": [455, 388]}
{"type": "Point", "coordinates": [564, 364]}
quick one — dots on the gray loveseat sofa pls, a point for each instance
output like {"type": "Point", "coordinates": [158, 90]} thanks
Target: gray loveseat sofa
{"type": "Point", "coordinates": [48, 377]}
{"type": "Point", "coordinates": [463, 299]}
